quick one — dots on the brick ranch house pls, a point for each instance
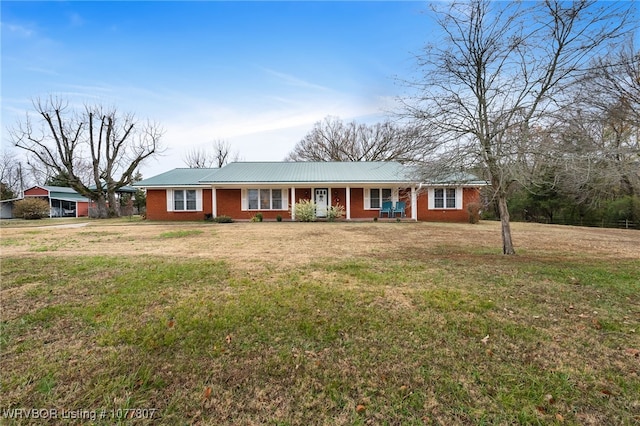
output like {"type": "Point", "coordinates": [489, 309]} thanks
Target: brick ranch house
{"type": "Point", "coordinates": [243, 189]}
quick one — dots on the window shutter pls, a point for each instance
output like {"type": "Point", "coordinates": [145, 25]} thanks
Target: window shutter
{"type": "Point", "coordinates": [244, 201]}
{"type": "Point", "coordinates": [430, 197]}
{"type": "Point", "coordinates": [198, 200]}
{"type": "Point", "coordinates": [169, 200]}
{"type": "Point", "coordinates": [367, 198]}
{"type": "Point", "coordinates": [285, 199]}
{"type": "Point", "coordinates": [459, 192]}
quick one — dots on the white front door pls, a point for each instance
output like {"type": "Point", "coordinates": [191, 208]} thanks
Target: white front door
{"type": "Point", "coordinates": [321, 202]}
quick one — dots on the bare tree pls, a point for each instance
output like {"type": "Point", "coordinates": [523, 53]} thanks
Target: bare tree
{"type": "Point", "coordinates": [497, 70]}
{"type": "Point", "coordinates": [333, 140]}
{"type": "Point", "coordinates": [114, 144]}
{"type": "Point", "coordinates": [11, 177]}
{"type": "Point", "coordinates": [218, 156]}
{"type": "Point", "coordinates": [198, 158]}
{"type": "Point", "coordinates": [599, 140]}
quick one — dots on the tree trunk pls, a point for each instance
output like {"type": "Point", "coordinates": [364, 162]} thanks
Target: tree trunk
{"type": "Point", "coordinates": [101, 207]}
{"type": "Point", "coordinates": [114, 207]}
{"type": "Point", "coordinates": [507, 243]}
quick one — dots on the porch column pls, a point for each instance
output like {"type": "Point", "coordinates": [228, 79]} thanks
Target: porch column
{"type": "Point", "coordinates": [414, 204]}
{"type": "Point", "coordinates": [214, 202]}
{"type": "Point", "coordinates": [293, 203]}
{"type": "Point", "coordinates": [348, 203]}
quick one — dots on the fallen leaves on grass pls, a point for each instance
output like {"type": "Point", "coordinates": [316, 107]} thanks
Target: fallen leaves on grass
{"type": "Point", "coordinates": [633, 352]}
{"type": "Point", "coordinates": [207, 392]}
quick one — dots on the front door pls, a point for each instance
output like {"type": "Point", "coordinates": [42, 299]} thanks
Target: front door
{"type": "Point", "coordinates": [321, 202]}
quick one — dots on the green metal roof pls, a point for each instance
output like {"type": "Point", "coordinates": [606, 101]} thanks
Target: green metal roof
{"type": "Point", "coordinates": [460, 178]}
{"type": "Point", "coordinates": [125, 188]}
{"type": "Point", "coordinates": [309, 172]}
{"type": "Point", "coordinates": [62, 193]}
{"type": "Point", "coordinates": [67, 196]}
{"type": "Point", "coordinates": [177, 177]}
{"type": "Point", "coordinates": [64, 189]}
{"type": "Point", "coordinates": [245, 173]}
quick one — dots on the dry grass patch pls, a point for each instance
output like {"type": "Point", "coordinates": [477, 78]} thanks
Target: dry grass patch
{"type": "Point", "coordinates": [324, 323]}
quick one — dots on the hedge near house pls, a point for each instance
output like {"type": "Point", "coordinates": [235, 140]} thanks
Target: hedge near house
{"type": "Point", "coordinates": [31, 208]}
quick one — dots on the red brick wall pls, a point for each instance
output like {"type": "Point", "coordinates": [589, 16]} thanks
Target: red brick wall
{"type": "Point", "coordinates": [229, 204]}
{"type": "Point", "coordinates": [303, 194]}
{"type": "Point", "coordinates": [83, 208]}
{"type": "Point", "coordinates": [339, 196]}
{"type": "Point", "coordinates": [469, 195]}
{"type": "Point", "coordinates": [157, 206]}
{"type": "Point", "coordinates": [357, 205]}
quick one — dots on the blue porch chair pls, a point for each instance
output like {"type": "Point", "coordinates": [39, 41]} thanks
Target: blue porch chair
{"type": "Point", "coordinates": [400, 206]}
{"type": "Point", "coordinates": [387, 207]}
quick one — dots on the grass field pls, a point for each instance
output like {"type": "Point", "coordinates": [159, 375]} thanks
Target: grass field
{"type": "Point", "coordinates": [319, 324]}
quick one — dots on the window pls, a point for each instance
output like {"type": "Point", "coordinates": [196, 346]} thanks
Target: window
{"type": "Point", "coordinates": [264, 199]}
{"type": "Point", "coordinates": [184, 200]}
{"type": "Point", "coordinates": [276, 199]}
{"type": "Point", "coordinates": [445, 198]}
{"type": "Point", "coordinates": [377, 196]}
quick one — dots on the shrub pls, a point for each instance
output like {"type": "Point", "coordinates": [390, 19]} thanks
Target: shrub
{"type": "Point", "coordinates": [474, 212]}
{"type": "Point", "coordinates": [279, 218]}
{"type": "Point", "coordinates": [305, 211]}
{"type": "Point", "coordinates": [257, 218]}
{"type": "Point", "coordinates": [223, 219]}
{"type": "Point", "coordinates": [31, 208]}
{"type": "Point", "coordinates": [335, 212]}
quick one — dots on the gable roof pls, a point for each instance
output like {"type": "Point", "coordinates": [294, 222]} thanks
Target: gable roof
{"type": "Point", "coordinates": [298, 173]}
{"type": "Point", "coordinates": [309, 172]}
{"type": "Point", "coordinates": [177, 177]}
{"type": "Point", "coordinates": [64, 193]}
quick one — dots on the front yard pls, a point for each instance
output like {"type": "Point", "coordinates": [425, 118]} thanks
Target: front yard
{"type": "Point", "coordinates": [320, 323]}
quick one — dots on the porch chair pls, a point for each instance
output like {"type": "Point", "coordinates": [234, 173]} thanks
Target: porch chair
{"type": "Point", "coordinates": [400, 206]}
{"type": "Point", "coordinates": [387, 207]}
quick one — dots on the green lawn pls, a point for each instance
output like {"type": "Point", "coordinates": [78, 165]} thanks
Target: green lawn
{"type": "Point", "coordinates": [448, 335]}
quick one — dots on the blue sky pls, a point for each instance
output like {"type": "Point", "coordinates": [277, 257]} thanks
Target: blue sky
{"type": "Point", "coordinates": [256, 74]}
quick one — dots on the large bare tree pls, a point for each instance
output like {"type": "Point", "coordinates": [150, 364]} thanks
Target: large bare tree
{"type": "Point", "coordinates": [496, 71]}
{"type": "Point", "coordinates": [334, 140]}
{"type": "Point", "coordinates": [114, 144]}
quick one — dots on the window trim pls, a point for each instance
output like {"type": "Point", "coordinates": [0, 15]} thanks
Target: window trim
{"type": "Point", "coordinates": [171, 200]}
{"type": "Point", "coordinates": [458, 198]}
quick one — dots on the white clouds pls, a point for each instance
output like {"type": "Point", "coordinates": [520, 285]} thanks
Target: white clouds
{"type": "Point", "coordinates": [263, 131]}
{"type": "Point", "coordinates": [17, 30]}
{"type": "Point", "coordinates": [210, 74]}
{"type": "Point", "coordinates": [291, 80]}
